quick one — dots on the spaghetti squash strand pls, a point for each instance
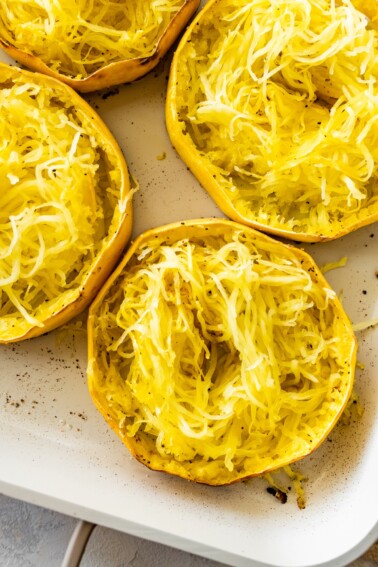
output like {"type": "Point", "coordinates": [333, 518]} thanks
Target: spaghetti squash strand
{"type": "Point", "coordinates": [221, 352]}
{"type": "Point", "coordinates": [51, 217]}
{"type": "Point", "coordinates": [78, 37]}
{"type": "Point", "coordinates": [283, 102]}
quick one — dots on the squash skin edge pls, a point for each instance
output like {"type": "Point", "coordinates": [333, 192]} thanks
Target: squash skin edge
{"type": "Point", "coordinates": [139, 450]}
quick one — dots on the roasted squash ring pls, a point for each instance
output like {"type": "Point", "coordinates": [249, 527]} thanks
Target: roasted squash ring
{"type": "Point", "coordinates": [217, 353]}
{"type": "Point", "coordinates": [65, 203]}
{"type": "Point", "coordinates": [273, 105]}
{"type": "Point", "coordinates": [92, 45]}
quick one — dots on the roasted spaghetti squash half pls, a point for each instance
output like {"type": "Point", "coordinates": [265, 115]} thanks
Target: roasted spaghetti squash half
{"type": "Point", "coordinates": [273, 105]}
{"type": "Point", "coordinates": [217, 353]}
{"type": "Point", "coordinates": [65, 203]}
{"type": "Point", "coordinates": [92, 45]}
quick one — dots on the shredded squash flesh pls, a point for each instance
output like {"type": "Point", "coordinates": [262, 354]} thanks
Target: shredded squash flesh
{"type": "Point", "coordinates": [78, 37]}
{"type": "Point", "coordinates": [220, 354]}
{"type": "Point", "coordinates": [59, 182]}
{"type": "Point", "coordinates": [280, 101]}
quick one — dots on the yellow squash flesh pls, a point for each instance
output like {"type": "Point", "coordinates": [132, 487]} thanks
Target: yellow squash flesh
{"type": "Point", "coordinates": [273, 106]}
{"type": "Point", "coordinates": [92, 45]}
{"type": "Point", "coordinates": [65, 204]}
{"type": "Point", "coordinates": [217, 353]}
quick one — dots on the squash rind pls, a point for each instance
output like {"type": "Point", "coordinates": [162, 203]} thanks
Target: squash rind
{"type": "Point", "coordinates": [115, 73]}
{"type": "Point", "coordinates": [107, 256]}
{"type": "Point", "coordinates": [141, 446]}
{"type": "Point", "coordinates": [210, 176]}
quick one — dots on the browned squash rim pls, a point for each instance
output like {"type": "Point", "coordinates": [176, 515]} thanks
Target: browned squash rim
{"type": "Point", "coordinates": [117, 72]}
{"type": "Point", "coordinates": [140, 450]}
{"type": "Point", "coordinates": [107, 258]}
{"type": "Point", "coordinates": [208, 175]}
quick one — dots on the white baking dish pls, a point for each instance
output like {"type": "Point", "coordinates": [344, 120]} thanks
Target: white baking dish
{"type": "Point", "coordinates": [56, 450]}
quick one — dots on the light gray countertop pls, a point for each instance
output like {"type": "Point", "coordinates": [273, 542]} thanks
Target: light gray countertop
{"type": "Point", "coordinates": [31, 536]}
